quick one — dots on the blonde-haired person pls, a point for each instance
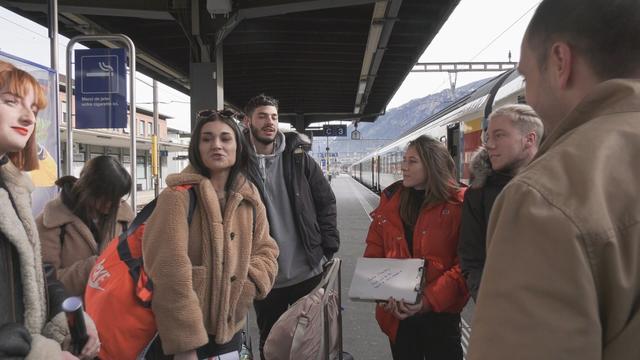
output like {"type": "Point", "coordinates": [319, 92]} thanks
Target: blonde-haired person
{"type": "Point", "coordinates": [419, 217]}
{"type": "Point", "coordinates": [207, 274]}
{"type": "Point", "coordinates": [31, 323]}
{"type": "Point", "coordinates": [512, 138]}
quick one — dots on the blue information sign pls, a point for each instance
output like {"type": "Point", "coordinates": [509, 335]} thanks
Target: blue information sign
{"type": "Point", "coordinates": [101, 89]}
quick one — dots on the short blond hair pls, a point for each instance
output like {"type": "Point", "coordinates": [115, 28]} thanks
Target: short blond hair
{"type": "Point", "coordinates": [523, 118]}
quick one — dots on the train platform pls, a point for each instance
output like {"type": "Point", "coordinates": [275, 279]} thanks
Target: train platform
{"type": "Point", "coordinates": [361, 335]}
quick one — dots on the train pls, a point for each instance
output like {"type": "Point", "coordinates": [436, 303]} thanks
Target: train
{"type": "Point", "coordinates": [459, 126]}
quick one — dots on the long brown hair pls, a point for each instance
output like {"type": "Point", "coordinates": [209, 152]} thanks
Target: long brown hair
{"type": "Point", "coordinates": [19, 82]}
{"type": "Point", "coordinates": [102, 179]}
{"type": "Point", "coordinates": [441, 181]}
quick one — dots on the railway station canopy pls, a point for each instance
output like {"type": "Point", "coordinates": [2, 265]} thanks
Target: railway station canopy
{"type": "Point", "coordinates": [323, 59]}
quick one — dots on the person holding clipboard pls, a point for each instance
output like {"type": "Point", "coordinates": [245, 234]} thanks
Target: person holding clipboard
{"type": "Point", "coordinates": [419, 217]}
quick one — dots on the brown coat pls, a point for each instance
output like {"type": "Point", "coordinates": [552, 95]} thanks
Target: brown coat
{"type": "Point", "coordinates": [206, 275]}
{"type": "Point", "coordinates": [562, 277]}
{"type": "Point", "coordinates": [73, 260]}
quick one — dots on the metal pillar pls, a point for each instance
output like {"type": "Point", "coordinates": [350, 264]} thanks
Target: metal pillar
{"type": "Point", "coordinates": [155, 164]}
{"type": "Point", "coordinates": [132, 100]}
{"type": "Point", "coordinates": [53, 48]}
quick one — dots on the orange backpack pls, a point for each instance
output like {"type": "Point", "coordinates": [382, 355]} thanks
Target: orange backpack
{"type": "Point", "coordinates": [118, 293]}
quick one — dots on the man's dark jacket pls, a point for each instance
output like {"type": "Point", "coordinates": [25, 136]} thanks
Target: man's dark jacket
{"type": "Point", "coordinates": [312, 200]}
{"type": "Point", "coordinates": [478, 200]}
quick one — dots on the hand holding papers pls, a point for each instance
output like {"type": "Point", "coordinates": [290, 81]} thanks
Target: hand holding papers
{"type": "Point", "coordinates": [381, 278]}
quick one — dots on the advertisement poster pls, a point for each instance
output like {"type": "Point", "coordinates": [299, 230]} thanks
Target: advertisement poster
{"type": "Point", "coordinates": [46, 133]}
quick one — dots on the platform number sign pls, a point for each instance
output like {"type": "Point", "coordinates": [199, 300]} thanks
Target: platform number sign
{"type": "Point", "coordinates": [334, 130]}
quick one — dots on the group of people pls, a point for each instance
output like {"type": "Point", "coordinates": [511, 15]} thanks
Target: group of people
{"type": "Point", "coordinates": [253, 184]}
{"type": "Point", "coordinates": [545, 239]}
{"type": "Point", "coordinates": [429, 215]}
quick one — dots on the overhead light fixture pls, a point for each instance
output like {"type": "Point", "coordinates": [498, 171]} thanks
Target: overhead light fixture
{"type": "Point", "coordinates": [362, 85]}
{"type": "Point", "coordinates": [356, 109]}
{"type": "Point", "coordinates": [219, 6]}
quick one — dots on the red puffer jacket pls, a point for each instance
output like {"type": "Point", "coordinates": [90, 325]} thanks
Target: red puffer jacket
{"type": "Point", "coordinates": [435, 239]}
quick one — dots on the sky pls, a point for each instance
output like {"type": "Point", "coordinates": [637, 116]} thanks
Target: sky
{"type": "Point", "coordinates": [476, 31]}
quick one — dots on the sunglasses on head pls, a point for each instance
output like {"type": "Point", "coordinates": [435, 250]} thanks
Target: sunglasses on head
{"type": "Point", "coordinates": [206, 114]}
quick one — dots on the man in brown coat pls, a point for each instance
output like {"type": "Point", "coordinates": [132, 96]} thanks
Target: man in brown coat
{"type": "Point", "coordinates": [562, 277]}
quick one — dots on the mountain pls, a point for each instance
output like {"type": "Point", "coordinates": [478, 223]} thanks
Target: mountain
{"type": "Point", "coordinates": [390, 126]}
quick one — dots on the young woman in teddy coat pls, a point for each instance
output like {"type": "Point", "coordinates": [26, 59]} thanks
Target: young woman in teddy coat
{"type": "Point", "coordinates": [206, 274]}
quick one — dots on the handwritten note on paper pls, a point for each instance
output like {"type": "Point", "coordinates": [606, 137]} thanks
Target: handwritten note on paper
{"type": "Point", "coordinates": [380, 279]}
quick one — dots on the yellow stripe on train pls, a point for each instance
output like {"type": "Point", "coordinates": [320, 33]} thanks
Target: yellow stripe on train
{"type": "Point", "coordinates": [472, 125]}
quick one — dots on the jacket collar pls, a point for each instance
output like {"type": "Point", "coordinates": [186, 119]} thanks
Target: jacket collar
{"type": "Point", "coordinates": [189, 176]}
{"type": "Point", "coordinates": [480, 168]}
{"type": "Point", "coordinates": [609, 97]}
{"type": "Point", "coordinates": [14, 177]}
{"type": "Point", "coordinates": [56, 213]}
{"type": "Point", "coordinates": [297, 140]}
{"type": "Point", "coordinates": [391, 199]}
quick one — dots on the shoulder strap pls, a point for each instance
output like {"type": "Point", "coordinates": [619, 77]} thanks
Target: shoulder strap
{"type": "Point", "coordinates": [63, 233]}
{"type": "Point", "coordinates": [192, 204]}
{"type": "Point", "coordinates": [141, 218]}
{"type": "Point", "coordinates": [146, 211]}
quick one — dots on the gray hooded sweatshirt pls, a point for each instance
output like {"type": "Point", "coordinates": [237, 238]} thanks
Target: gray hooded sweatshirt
{"type": "Point", "coordinates": [293, 266]}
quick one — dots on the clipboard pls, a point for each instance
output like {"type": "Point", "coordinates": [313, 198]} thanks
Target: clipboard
{"type": "Point", "coordinates": [381, 278]}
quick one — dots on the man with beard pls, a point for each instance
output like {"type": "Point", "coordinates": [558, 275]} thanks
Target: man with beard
{"type": "Point", "coordinates": [562, 276]}
{"type": "Point", "coordinates": [301, 208]}
{"type": "Point", "coordinates": [512, 139]}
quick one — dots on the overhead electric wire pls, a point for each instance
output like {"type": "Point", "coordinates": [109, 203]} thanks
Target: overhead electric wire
{"type": "Point", "coordinates": [505, 30]}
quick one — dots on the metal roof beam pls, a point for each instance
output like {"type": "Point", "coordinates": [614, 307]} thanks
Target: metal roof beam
{"type": "Point", "coordinates": [299, 6]}
{"type": "Point", "coordinates": [89, 27]}
{"type": "Point", "coordinates": [454, 67]}
{"type": "Point", "coordinates": [321, 117]}
{"type": "Point", "coordinates": [282, 9]}
{"type": "Point", "coordinates": [384, 17]}
{"type": "Point", "coordinates": [158, 12]}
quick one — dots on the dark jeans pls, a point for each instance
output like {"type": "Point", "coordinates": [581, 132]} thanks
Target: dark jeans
{"type": "Point", "coordinates": [431, 336]}
{"type": "Point", "coordinates": [269, 310]}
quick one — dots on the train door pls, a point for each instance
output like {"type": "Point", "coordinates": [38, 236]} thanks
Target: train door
{"type": "Point", "coordinates": [454, 146]}
{"type": "Point", "coordinates": [373, 172]}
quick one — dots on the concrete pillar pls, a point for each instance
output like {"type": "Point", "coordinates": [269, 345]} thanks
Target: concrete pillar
{"type": "Point", "coordinates": [207, 86]}
{"type": "Point", "coordinates": [299, 124]}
